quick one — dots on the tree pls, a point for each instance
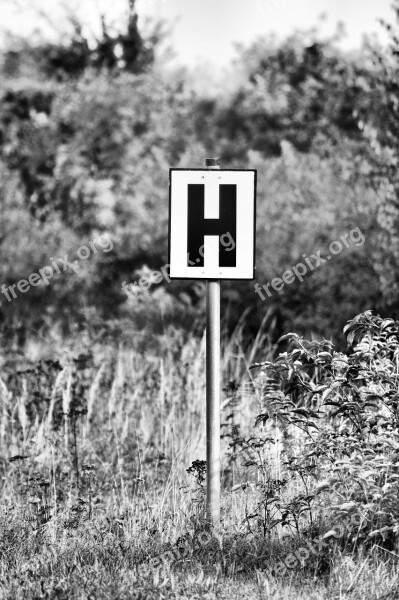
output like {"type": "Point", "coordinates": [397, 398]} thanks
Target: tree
{"type": "Point", "coordinates": [40, 120]}
{"type": "Point", "coordinates": [381, 130]}
{"type": "Point", "coordinates": [114, 51]}
{"type": "Point", "coordinates": [294, 91]}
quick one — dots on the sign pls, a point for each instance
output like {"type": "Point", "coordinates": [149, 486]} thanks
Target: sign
{"type": "Point", "coordinates": [212, 224]}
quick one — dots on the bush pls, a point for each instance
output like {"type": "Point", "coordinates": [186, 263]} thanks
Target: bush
{"type": "Point", "coordinates": [346, 459]}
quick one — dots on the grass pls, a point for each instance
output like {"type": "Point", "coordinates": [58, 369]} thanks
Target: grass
{"type": "Point", "coordinates": [96, 501]}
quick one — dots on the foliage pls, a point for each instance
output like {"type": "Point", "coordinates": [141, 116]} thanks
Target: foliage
{"type": "Point", "coordinates": [379, 124]}
{"type": "Point", "coordinates": [305, 203]}
{"type": "Point", "coordinates": [103, 169]}
{"type": "Point", "coordinates": [90, 496]}
{"type": "Point", "coordinates": [98, 429]}
{"type": "Point", "coordinates": [294, 91]}
{"type": "Point", "coordinates": [346, 407]}
{"type": "Point", "coordinates": [89, 153]}
{"type": "Point", "coordinates": [73, 56]}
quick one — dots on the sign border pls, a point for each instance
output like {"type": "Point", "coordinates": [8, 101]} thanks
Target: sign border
{"type": "Point", "coordinates": [254, 229]}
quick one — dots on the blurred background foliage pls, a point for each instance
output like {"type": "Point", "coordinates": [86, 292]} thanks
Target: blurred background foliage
{"type": "Point", "coordinates": [89, 130]}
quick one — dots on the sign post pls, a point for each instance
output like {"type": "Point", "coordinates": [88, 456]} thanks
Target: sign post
{"type": "Point", "coordinates": [212, 237]}
{"type": "Point", "coordinates": [213, 392]}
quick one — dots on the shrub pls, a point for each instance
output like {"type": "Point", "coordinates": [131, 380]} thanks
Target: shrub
{"type": "Point", "coordinates": [345, 405]}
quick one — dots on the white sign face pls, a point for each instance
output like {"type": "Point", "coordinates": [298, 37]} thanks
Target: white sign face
{"type": "Point", "coordinates": [212, 224]}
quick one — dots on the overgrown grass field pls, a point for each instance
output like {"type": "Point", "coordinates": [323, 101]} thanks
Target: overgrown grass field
{"type": "Point", "coordinates": [103, 467]}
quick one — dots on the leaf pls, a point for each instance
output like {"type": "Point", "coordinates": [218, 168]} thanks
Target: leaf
{"type": "Point", "coordinates": [372, 398]}
{"type": "Point", "coordinates": [240, 486]}
{"type": "Point", "coordinates": [332, 403]}
{"type": "Point", "coordinates": [261, 419]}
{"type": "Point", "coordinates": [319, 388]}
{"type": "Point", "coordinates": [301, 411]}
{"type": "Point", "coordinates": [386, 323]}
{"type": "Point", "coordinates": [289, 336]}
{"type": "Point", "coordinates": [326, 393]}
{"type": "Point", "coordinates": [274, 522]}
{"type": "Point", "coordinates": [350, 337]}
{"type": "Point", "coordinates": [368, 474]}
{"type": "Point", "coordinates": [316, 415]}
{"type": "Point", "coordinates": [323, 485]}
{"type": "Point", "coordinates": [257, 365]}
{"type": "Point", "coordinates": [347, 506]}
{"type": "Point", "coordinates": [330, 534]}
{"type": "Point", "coordinates": [382, 530]}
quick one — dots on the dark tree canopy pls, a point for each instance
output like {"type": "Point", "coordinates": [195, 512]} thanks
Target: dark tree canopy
{"type": "Point", "coordinates": [118, 51]}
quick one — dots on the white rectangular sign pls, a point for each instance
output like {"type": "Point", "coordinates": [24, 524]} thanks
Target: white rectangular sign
{"type": "Point", "coordinates": [212, 224]}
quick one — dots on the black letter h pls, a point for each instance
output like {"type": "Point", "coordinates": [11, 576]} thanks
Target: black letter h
{"type": "Point", "coordinates": [198, 226]}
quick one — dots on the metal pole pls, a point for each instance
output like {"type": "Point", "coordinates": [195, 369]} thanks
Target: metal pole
{"type": "Point", "coordinates": [213, 392]}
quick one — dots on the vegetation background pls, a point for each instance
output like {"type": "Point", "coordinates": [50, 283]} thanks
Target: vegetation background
{"type": "Point", "coordinates": [102, 394]}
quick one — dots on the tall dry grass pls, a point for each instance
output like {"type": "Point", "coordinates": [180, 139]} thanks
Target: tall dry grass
{"type": "Point", "coordinates": [96, 436]}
